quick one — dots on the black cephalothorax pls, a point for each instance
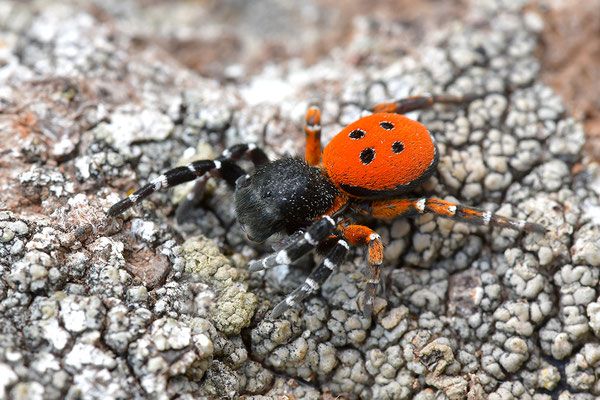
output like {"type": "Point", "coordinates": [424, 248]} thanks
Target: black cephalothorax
{"type": "Point", "coordinates": [283, 196]}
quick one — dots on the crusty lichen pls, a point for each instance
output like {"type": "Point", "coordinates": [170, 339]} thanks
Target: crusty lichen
{"type": "Point", "coordinates": [467, 310]}
{"type": "Point", "coordinates": [233, 306]}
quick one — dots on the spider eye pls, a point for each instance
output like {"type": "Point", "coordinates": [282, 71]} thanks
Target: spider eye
{"type": "Point", "coordinates": [267, 195]}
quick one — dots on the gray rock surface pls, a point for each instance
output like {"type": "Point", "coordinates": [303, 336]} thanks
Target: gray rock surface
{"type": "Point", "coordinates": [144, 306]}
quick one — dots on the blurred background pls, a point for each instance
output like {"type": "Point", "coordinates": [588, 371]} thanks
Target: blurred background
{"type": "Point", "coordinates": [234, 39]}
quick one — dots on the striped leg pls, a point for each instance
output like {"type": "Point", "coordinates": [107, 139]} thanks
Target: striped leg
{"type": "Point", "coordinates": [359, 235]}
{"type": "Point", "coordinates": [316, 278]}
{"type": "Point", "coordinates": [224, 165]}
{"type": "Point", "coordinates": [408, 104]}
{"type": "Point", "coordinates": [255, 153]}
{"type": "Point", "coordinates": [409, 207]}
{"type": "Point", "coordinates": [313, 136]}
{"type": "Point", "coordinates": [316, 233]}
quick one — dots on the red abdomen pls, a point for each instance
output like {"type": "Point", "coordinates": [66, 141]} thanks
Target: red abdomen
{"type": "Point", "coordinates": [379, 155]}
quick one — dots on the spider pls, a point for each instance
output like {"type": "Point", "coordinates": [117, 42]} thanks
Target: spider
{"type": "Point", "coordinates": [363, 170]}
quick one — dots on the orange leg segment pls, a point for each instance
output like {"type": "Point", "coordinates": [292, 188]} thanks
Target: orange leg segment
{"type": "Point", "coordinates": [313, 136]}
{"type": "Point", "coordinates": [408, 104]}
{"type": "Point", "coordinates": [359, 235]}
{"type": "Point", "coordinates": [387, 209]}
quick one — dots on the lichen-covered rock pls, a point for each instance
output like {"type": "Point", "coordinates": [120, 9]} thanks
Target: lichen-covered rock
{"type": "Point", "coordinates": [144, 306]}
{"type": "Point", "coordinates": [234, 305]}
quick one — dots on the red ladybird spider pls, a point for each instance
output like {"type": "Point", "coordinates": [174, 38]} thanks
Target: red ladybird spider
{"type": "Point", "coordinates": [362, 170]}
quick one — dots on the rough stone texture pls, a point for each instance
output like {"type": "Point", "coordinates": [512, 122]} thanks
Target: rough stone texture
{"type": "Point", "coordinates": [145, 306]}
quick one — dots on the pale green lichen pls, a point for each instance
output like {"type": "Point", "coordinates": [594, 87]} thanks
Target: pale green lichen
{"type": "Point", "coordinates": [234, 306]}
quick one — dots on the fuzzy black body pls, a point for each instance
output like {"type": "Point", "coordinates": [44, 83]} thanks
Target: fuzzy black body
{"type": "Point", "coordinates": [282, 196]}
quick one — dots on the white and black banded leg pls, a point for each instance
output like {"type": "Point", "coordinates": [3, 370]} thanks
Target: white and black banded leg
{"type": "Point", "coordinates": [315, 234]}
{"type": "Point", "coordinates": [224, 165]}
{"type": "Point", "coordinates": [174, 177]}
{"type": "Point", "coordinates": [386, 209]}
{"type": "Point", "coordinates": [251, 150]}
{"type": "Point", "coordinates": [316, 278]}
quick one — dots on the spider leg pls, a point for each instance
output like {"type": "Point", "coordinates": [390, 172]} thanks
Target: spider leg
{"type": "Point", "coordinates": [224, 165]}
{"type": "Point", "coordinates": [359, 235]}
{"type": "Point", "coordinates": [408, 104]}
{"type": "Point", "coordinates": [255, 153]}
{"type": "Point", "coordinates": [386, 209]}
{"type": "Point", "coordinates": [312, 128]}
{"type": "Point", "coordinates": [316, 278]}
{"type": "Point", "coordinates": [317, 232]}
